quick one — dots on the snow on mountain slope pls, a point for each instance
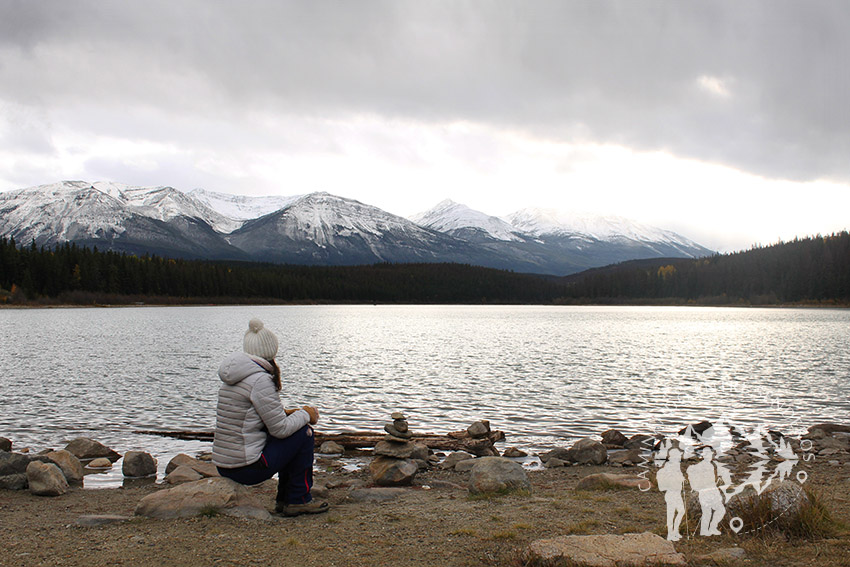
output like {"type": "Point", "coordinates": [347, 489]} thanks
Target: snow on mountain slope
{"type": "Point", "coordinates": [448, 216]}
{"type": "Point", "coordinates": [241, 207]}
{"type": "Point", "coordinates": [58, 212]}
{"type": "Point", "coordinates": [540, 222]}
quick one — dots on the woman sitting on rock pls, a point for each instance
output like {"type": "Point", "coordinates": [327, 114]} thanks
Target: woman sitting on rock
{"type": "Point", "coordinates": [255, 437]}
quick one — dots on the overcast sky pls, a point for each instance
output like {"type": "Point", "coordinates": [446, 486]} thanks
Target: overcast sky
{"type": "Point", "coordinates": [728, 122]}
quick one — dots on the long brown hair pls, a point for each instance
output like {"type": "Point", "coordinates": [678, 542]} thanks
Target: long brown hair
{"type": "Point", "coordinates": [275, 375]}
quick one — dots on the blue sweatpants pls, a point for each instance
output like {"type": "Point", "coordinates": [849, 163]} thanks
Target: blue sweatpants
{"type": "Point", "coordinates": [290, 458]}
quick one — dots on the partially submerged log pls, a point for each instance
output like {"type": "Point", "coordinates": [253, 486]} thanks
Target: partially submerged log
{"type": "Point", "coordinates": [454, 441]}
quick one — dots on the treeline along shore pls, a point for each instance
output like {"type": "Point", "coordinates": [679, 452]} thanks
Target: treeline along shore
{"type": "Point", "coordinates": [813, 270]}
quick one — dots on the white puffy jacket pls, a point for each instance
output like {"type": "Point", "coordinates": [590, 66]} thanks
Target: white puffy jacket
{"type": "Point", "coordinates": [248, 409]}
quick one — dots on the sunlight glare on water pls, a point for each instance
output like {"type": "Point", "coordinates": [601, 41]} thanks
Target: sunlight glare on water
{"type": "Point", "coordinates": [544, 375]}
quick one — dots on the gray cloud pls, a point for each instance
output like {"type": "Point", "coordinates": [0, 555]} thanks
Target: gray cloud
{"type": "Point", "coordinates": [606, 71]}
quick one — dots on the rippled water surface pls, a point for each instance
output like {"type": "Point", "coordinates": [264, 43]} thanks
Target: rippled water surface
{"type": "Point", "coordinates": [544, 375]}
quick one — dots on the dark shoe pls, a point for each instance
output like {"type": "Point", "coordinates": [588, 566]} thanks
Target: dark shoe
{"type": "Point", "coordinates": [312, 507]}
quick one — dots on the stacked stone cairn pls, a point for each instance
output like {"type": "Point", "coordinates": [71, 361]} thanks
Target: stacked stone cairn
{"type": "Point", "coordinates": [397, 457]}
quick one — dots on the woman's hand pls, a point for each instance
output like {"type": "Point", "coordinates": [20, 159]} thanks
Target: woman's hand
{"type": "Point", "coordinates": [314, 414]}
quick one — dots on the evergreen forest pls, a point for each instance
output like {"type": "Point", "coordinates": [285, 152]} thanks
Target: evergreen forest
{"type": "Point", "coordinates": [812, 270]}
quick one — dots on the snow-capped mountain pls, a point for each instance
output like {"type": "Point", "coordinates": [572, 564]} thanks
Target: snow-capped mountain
{"type": "Point", "coordinates": [551, 223]}
{"type": "Point", "coordinates": [160, 220]}
{"type": "Point", "coordinates": [459, 220]}
{"type": "Point", "coordinates": [320, 228]}
{"type": "Point", "coordinates": [241, 207]}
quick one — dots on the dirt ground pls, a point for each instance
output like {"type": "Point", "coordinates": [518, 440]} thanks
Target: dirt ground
{"type": "Point", "coordinates": [433, 523]}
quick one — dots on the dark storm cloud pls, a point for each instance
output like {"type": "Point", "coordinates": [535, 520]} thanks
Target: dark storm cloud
{"type": "Point", "coordinates": [757, 85]}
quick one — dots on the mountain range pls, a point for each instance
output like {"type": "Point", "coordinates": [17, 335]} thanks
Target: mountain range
{"type": "Point", "coordinates": [322, 229]}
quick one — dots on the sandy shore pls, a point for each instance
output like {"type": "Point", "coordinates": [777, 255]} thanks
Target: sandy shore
{"type": "Point", "coordinates": [433, 523]}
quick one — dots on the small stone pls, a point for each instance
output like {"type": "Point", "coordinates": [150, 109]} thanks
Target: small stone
{"type": "Point", "coordinates": [454, 458]}
{"type": "Point", "coordinates": [626, 457]}
{"type": "Point", "coordinates": [183, 474]}
{"type": "Point", "coordinates": [91, 520]}
{"type": "Point", "coordinates": [138, 464]}
{"type": "Point", "coordinates": [725, 555]}
{"type": "Point", "coordinates": [376, 494]}
{"type": "Point", "coordinates": [86, 449]}
{"type": "Point", "coordinates": [479, 429]}
{"type": "Point", "coordinates": [401, 425]}
{"type": "Point", "coordinates": [606, 550]}
{"type": "Point", "coordinates": [394, 432]}
{"type": "Point", "coordinates": [614, 437]}
{"type": "Point", "coordinates": [5, 445]}
{"type": "Point", "coordinates": [387, 471]}
{"type": "Point", "coordinates": [70, 466]}
{"type": "Point", "coordinates": [497, 475]}
{"type": "Point", "coordinates": [554, 462]}
{"type": "Point", "coordinates": [331, 448]}
{"type": "Point", "coordinates": [46, 479]}
{"type": "Point", "coordinates": [556, 453]}
{"type": "Point", "coordinates": [607, 481]}
{"type": "Point", "coordinates": [397, 416]}
{"type": "Point", "coordinates": [514, 453]}
{"type": "Point", "coordinates": [319, 491]}
{"type": "Point", "coordinates": [100, 463]}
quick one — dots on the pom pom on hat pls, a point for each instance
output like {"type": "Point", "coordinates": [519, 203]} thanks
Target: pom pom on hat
{"type": "Point", "coordinates": [259, 341]}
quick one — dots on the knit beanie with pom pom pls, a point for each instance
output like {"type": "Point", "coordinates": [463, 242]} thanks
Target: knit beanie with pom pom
{"type": "Point", "coordinates": [259, 341]}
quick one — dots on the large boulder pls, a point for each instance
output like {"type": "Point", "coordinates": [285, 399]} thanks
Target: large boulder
{"type": "Point", "coordinates": [138, 464]}
{"type": "Point", "coordinates": [208, 496]}
{"type": "Point", "coordinates": [587, 452]}
{"type": "Point", "coordinates": [203, 468]}
{"type": "Point", "coordinates": [387, 471]}
{"type": "Point", "coordinates": [13, 463]}
{"type": "Point", "coordinates": [606, 550]}
{"type": "Point", "coordinates": [87, 449]}
{"type": "Point", "coordinates": [46, 479]}
{"type": "Point", "coordinates": [70, 466]}
{"type": "Point", "coordinates": [497, 475]}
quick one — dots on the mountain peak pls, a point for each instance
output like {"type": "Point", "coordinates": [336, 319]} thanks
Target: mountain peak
{"type": "Point", "coordinates": [451, 217]}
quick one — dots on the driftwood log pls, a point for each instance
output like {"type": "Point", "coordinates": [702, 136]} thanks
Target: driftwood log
{"type": "Point", "coordinates": [454, 441]}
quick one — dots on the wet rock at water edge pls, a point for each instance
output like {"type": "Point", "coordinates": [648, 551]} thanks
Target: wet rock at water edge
{"type": "Point", "coordinates": [46, 479]}
{"type": "Point", "coordinates": [208, 496]}
{"type": "Point", "coordinates": [497, 475]}
{"type": "Point", "coordinates": [100, 463]}
{"type": "Point", "coordinates": [614, 438]}
{"type": "Point", "coordinates": [588, 452]}
{"type": "Point", "coordinates": [454, 458]}
{"type": "Point", "coordinates": [182, 474]}
{"type": "Point", "coordinates": [70, 466]}
{"type": "Point", "coordinates": [479, 429]}
{"type": "Point", "coordinates": [389, 471]}
{"type": "Point", "coordinates": [331, 448]}
{"type": "Point", "coordinates": [640, 441]}
{"type": "Point", "coordinates": [87, 449]}
{"type": "Point", "coordinates": [5, 445]}
{"type": "Point", "coordinates": [514, 453]}
{"type": "Point", "coordinates": [138, 464]}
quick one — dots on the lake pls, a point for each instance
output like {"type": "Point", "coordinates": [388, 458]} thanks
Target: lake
{"type": "Point", "coordinates": [545, 375]}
